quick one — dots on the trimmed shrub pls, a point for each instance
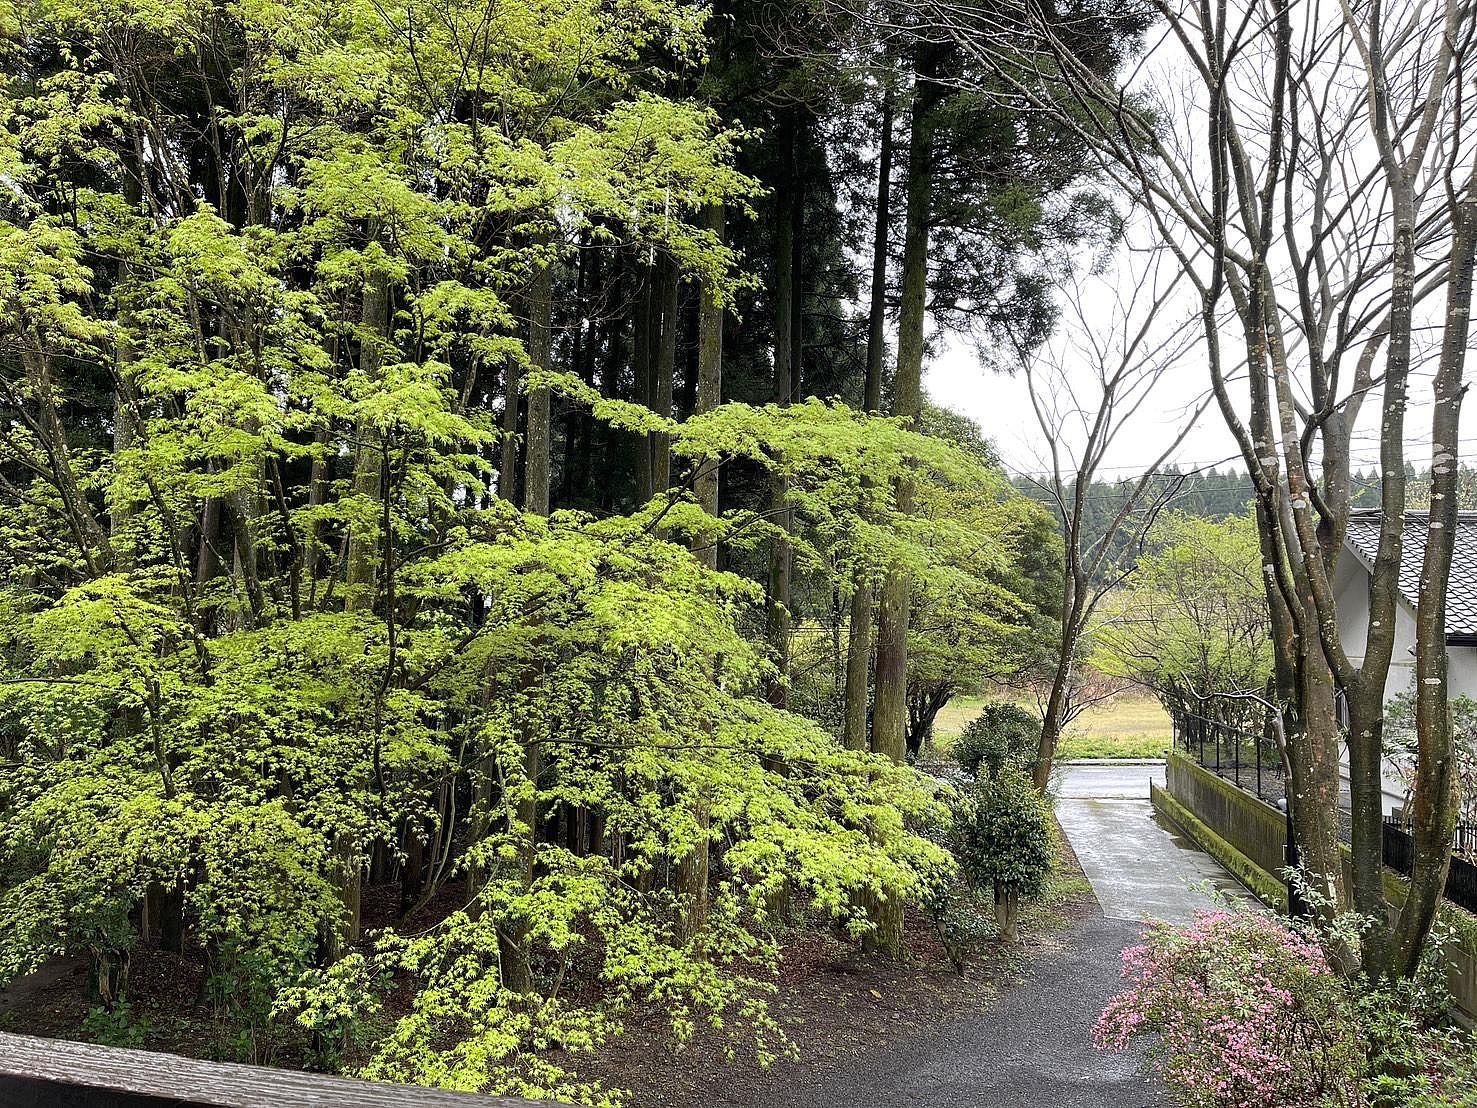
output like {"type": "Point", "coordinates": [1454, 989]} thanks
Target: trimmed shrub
{"type": "Point", "coordinates": [1003, 736]}
{"type": "Point", "coordinates": [1002, 830]}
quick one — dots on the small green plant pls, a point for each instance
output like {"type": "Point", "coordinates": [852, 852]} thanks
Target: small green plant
{"type": "Point", "coordinates": [1003, 736]}
{"type": "Point", "coordinates": [1415, 1058]}
{"type": "Point", "coordinates": [114, 1026]}
{"type": "Point", "coordinates": [962, 917]}
{"type": "Point", "coordinates": [1448, 1081]}
{"type": "Point", "coordinates": [1407, 1049]}
{"type": "Point", "coordinates": [332, 1006]}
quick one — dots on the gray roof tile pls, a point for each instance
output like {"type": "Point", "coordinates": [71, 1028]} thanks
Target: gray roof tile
{"type": "Point", "coordinates": [1461, 595]}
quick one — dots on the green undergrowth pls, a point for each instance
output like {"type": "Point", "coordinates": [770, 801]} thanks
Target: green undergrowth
{"type": "Point", "coordinates": [1067, 884]}
{"type": "Point", "coordinates": [1112, 746]}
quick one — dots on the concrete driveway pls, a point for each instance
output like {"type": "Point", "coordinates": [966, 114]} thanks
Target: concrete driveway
{"type": "Point", "coordinates": [1033, 1047]}
{"type": "Point", "coordinates": [1137, 866]}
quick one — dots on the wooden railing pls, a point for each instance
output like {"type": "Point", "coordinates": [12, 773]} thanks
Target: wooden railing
{"type": "Point", "coordinates": [49, 1073]}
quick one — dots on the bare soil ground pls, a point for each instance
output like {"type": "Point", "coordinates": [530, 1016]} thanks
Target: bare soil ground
{"type": "Point", "coordinates": [835, 1004]}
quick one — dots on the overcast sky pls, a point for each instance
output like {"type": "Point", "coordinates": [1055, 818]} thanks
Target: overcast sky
{"type": "Point", "coordinates": [955, 378]}
{"type": "Point", "coordinates": [1002, 408]}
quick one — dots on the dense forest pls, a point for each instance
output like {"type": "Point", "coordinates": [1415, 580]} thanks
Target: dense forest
{"type": "Point", "coordinates": [472, 458]}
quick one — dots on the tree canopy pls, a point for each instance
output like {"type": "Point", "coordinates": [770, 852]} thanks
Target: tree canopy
{"type": "Point", "coordinates": [368, 377]}
{"type": "Point", "coordinates": [1191, 625]}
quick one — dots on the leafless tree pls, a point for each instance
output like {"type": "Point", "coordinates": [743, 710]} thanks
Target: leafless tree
{"type": "Point", "coordinates": [1310, 167]}
{"type": "Point", "coordinates": [1119, 341]}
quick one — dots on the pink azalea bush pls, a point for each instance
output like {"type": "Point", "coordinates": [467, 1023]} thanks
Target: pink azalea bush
{"type": "Point", "coordinates": [1238, 1009]}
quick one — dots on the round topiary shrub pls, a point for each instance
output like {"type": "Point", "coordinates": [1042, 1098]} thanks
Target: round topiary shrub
{"type": "Point", "coordinates": [1002, 833]}
{"type": "Point", "coordinates": [1003, 736]}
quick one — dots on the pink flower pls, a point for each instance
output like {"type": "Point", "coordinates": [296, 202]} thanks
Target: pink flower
{"type": "Point", "coordinates": [1235, 1009]}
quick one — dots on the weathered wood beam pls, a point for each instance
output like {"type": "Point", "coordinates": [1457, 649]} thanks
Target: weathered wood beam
{"type": "Point", "coordinates": [51, 1073]}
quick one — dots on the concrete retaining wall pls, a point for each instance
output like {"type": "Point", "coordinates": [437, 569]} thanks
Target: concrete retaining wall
{"type": "Point", "coordinates": [1248, 837]}
{"type": "Point", "coordinates": [1252, 826]}
{"type": "Point", "coordinates": [1268, 887]}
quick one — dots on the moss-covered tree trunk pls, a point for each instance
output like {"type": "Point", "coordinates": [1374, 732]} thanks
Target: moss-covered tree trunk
{"type": "Point", "coordinates": [512, 934]}
{"type": "Point", "coordinates": [364, 556]}
{"type": "Point", "coordinates": [364, 542]}
{"type": "Point", "coordinates": [890, 702]}
{"type": "Point", "coordinates": [890, 710]}
{"type": "Point", "coordinates": [786, 294]}
{"type": "Point", "coordinates": [666, 359]}
{"type": "Point", "coordinates": [540, 352]}
{"type": "Point", "coordinates": [692, 878]}
{"type": "Point", "coordinates": [692, 871]}
{"type": "Point", "coordinates": [507, 474]}
{"type": "Point", "coordinates": [513, 953]}
{"type": "Point", "coordinates": [709, 391]}
{"type": "Point", "coordinates": [644, 340]}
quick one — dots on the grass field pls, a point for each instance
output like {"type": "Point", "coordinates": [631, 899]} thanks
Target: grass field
{"type": "Point", "coordinates": [1131, 725]}
{"type": "Point", "coordinates": [954, 717]}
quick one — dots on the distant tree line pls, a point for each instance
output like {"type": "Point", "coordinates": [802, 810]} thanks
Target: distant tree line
{"type": "Point", "coordinates": [1216, 494]}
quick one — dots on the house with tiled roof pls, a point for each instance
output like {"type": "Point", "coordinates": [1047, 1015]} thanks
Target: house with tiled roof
{"type": "Point", "coordinates": [1351, 583]}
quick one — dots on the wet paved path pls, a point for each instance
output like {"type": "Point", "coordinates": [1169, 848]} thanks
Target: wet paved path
{"type": "Point", "coordinates": [1032, 1047]}
{"type": "Point", "coordinates": [1137, 866]}
{"type": "Point", "coordinates": [1029, 1049]}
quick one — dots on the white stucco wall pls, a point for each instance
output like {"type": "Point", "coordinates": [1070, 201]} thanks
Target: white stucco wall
{"type": "Point", "coordinates": [1463, 672]}
{"type": "Point", "coordinates": [1351, 585]}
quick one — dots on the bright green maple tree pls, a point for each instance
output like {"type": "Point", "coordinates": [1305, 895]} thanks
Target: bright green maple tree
{"type": "Point", "coordinates": [1190, 624]}
{"type": "Point", "coordinates": [263, 623]}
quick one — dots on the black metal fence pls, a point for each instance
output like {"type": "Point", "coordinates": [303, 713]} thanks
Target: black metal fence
{"type": "Point", "coordinates": [1253, 762]}
{"type": "Point", "coordinates": [1461, 879]}
{"type": "Point", "coordinates": [1250, 760]}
